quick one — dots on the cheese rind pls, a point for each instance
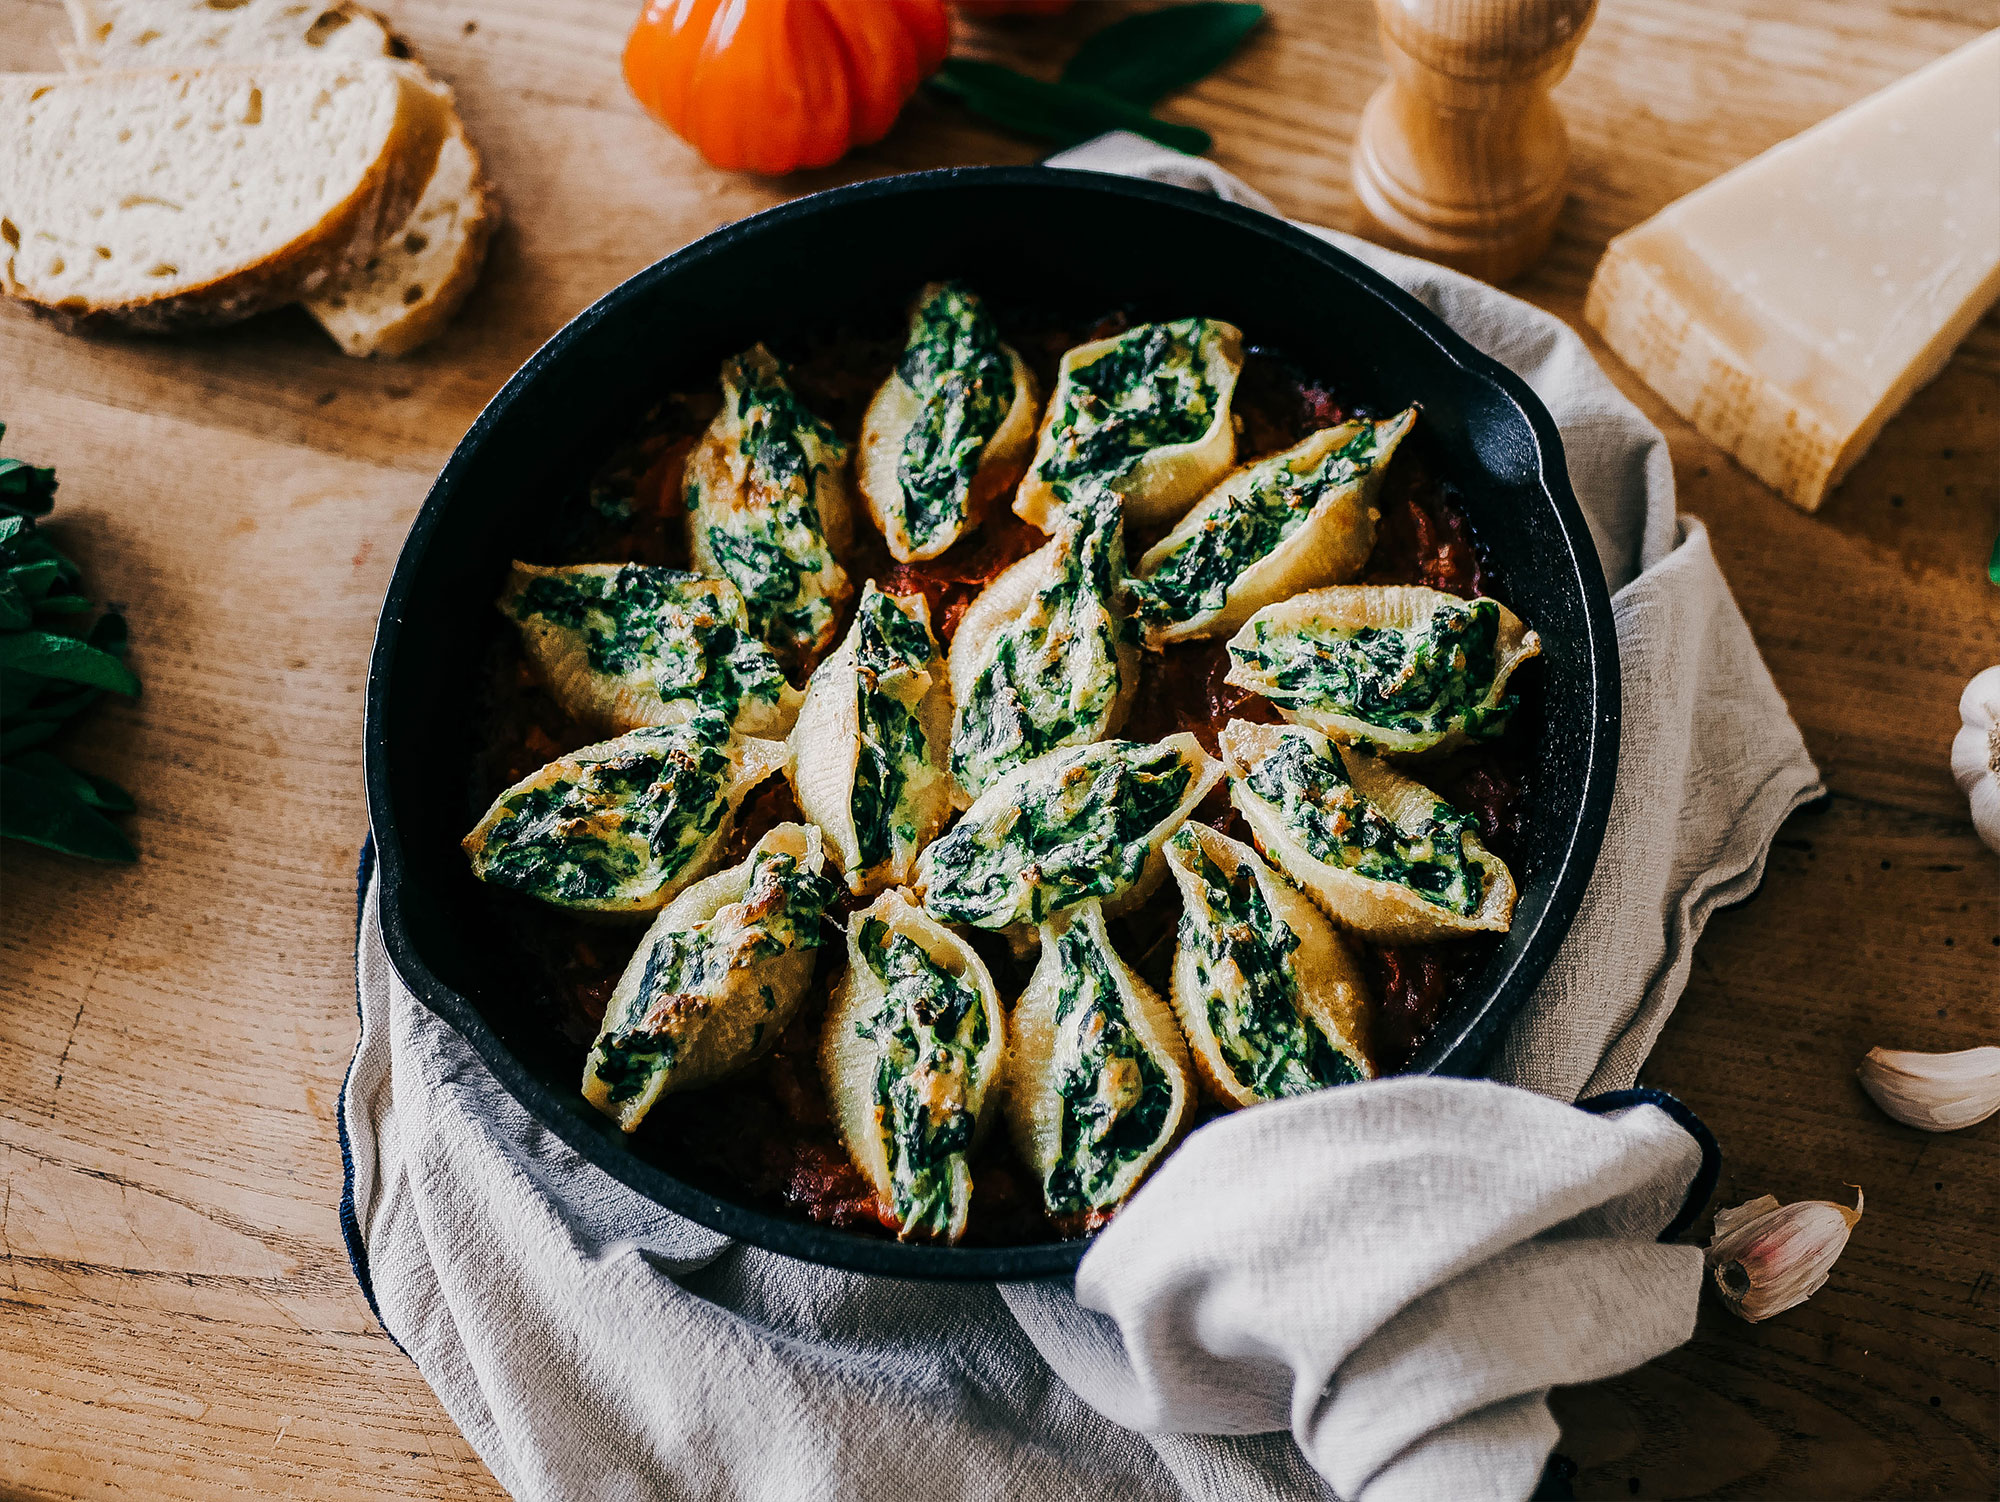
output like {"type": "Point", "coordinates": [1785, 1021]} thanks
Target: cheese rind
{"type": "Point", "coordinates": [1789, 308]}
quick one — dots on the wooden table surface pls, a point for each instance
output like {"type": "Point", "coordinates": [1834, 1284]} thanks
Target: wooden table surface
{"type": "Point", "coordinates": [177, 1318]}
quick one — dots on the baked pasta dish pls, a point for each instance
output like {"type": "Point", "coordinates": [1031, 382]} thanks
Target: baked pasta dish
{"type": "Point", "coordinates": [936, 767]}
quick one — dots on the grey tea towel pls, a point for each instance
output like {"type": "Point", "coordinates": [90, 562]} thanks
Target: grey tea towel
{"type": "Point", "coordinates": [1364, 1294]}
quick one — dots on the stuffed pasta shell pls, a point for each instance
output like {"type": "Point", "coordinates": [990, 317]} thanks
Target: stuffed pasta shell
{"type": "Point", "coordinates": [949, 430]}
{"type": "Point", "coordinates": [620, 645]}
{"type": "Point", "coordinates": [870, 752]}
{"type": "Point", "coordinates": [1289, 522]}
{"type": "Point", "coordinates": [1382, 855]}
{"type": "Point", "coordinates": [1081, 824]}
{"type": "Point", "coordinates": [715, 980]}
{"type": "Point", "coordinates": [619, 827]}
{"type": "Point", "coordinates": [910, 1057]}
{"type": "Point", "coordinates": [1271, 999]}
{"type": "Point", "coordinates": [1398, 667]}
{"type": "Point", "coordinates": [767, 508]}
{"type": "Point", "coordinates": [1145, 412]}
{"type": "Point", "coordinates": [1045, 656]}
{"type": "Point", "coordinates": [1098, 1084]}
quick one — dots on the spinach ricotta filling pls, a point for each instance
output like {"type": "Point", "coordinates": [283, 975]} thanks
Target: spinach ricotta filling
{"type": "Point", "coordinates": [891, 650]}
{"type": "Point", "coordinates": [625, 824]}
{"type": "Point", "coordinates": [930, 1028]}
{"type": "Point", "coordinates": [1276, 501]}
{"type": "Point", "coordinates": [1326, 813]}
{"type": "Point", "coordinates": [1115, 1095]}
{"type": "Point", "coordinates": [670, 628]}
{"type": "Point", "coordinates": [687, 970]}
{"type": "Point", "coordinates": [1076, 826]}
{"type": "Point", "coordinates": [1051, 677]}
{"type": "Point", "coordinates": [1250, 990]}
{"type": "Point", "coordinates": [1150, 390]}
{"type": "Point", "coordinates": [1419, 679]}
{"type": "Point", "coordinates": [953, 362]}
{"type": "Point", "coordinates": [775, 551]}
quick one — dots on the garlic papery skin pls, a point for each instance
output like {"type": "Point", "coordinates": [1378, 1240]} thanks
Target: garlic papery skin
{"type": "Point", "coordinates": [1975, 753]}
{"type": "Point", "coordinates": [1939, 1092]}
{"type": "Point", "coordinates": [1765, 1257]}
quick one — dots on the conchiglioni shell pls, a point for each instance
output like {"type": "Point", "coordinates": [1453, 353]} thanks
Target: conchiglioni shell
{"type": "Point", "coordinates": [848, 1061]}
{"type": "Point", "coordinates": [1034, 1108]}
{"type": "Point", "coordinates": [997, 808]}
{"type": "Point", "coordinates": [1332, 992]}
{"type": "Point", "coordinates": [718, 476]}
{"type": "Point", "coordinates": [617, 703]}
{"type": "Point", "coordinates": [741, 1016]}
{"type": "Point", "coordinates": [1331, 544]}
{"type": "Point", "coordinates": [752, 759]}
{"type": "Point", "coordinates": [1164, 481]}
{"type": "Point", "coordinates": [999, 605]}
{"type": "Point", "coordinates": [1378, 910]}
{"type": "Point", "coordinates": [826, 751]}
{"type": "Point", "coordinates": [883, 430]}
{"type": "Point", "coordinates": [1350, 607]}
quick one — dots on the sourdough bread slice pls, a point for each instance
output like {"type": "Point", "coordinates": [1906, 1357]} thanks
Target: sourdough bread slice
{"type": "Point", "coordinates": [180, 198]}
{"type": "Point", "coordinates": [188, 33]}
{"type": "Point", "coordinates": [409, 288]}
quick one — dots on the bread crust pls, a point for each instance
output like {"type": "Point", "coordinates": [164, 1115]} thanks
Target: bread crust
{"type": "Point", "coordinates": [428, 316]}
{"type": "Point", "coordinates": [338, 244]}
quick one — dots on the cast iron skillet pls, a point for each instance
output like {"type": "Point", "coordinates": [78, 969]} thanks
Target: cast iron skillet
{"type": "Point", "coordinates": [1034, 234]}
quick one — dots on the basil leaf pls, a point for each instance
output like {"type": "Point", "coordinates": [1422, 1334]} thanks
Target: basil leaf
{"type": "Point", "coordinates": [26, 489]}
{"type": "Point", "coordinates": [48, 654]}
{"type": "Point", "coordinates": [1993, 563]}
{"type": "Point", "coordinates": [15, 610]}
{"type": "Point", "coordinates": [108, 633]}
{"type": "Point", "coordinates": [1143, 58]}
{"type": "Point", "coordinates": [51, 814]}
{"type": "Point", "coordinates": [1055, 112]}
{"type": "Point", "coordinates": [41, 705]}
{"type": "Point", "coordinates": [20, 737]}
{"type": "Point", "coordinates": [98, 792]}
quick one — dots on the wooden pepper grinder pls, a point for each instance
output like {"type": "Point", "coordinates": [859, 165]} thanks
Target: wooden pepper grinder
{"type": "Point", "coordinates": [1461, 156]}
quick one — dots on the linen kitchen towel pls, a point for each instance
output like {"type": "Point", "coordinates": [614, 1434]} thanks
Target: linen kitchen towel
{"type": "Point", "coordinates": [1363, 1294]}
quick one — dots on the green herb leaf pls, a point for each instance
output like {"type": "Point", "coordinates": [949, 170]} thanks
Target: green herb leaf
{"type": "Point", "coordinates": [1062, 113]}
{"type": "Point", "coordinates": [51, 813]}
{"type": "Point", "coordinates": [108, 633]}
{"type": "Point", "coordinates": [15, 610]}
{"type": "Point", "coordinates": [1993, 563]}
{"type": "Point", "coordinates": [42, 705]}
{"type": "Point", "coordinates": [1143, 58]}
{"type": "Point", "coordinates": [19, 737]}
{"type": "Point", "coordinates": [98, 792]}
{"type": "Point", "coordinates": [26, 489]}
{"type": "Point", "coordinates": [49, 654]}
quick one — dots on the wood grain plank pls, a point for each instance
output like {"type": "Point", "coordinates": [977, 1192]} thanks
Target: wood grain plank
{"type": "Point", "coordinates": [176, 1315]}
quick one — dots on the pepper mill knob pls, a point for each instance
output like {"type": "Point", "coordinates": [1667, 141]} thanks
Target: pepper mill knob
{"type": "Point", "coordinates": [1461, 156]}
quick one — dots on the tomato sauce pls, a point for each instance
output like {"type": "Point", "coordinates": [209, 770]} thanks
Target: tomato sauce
{"type": "Point", "coordinates": [766, 1135]}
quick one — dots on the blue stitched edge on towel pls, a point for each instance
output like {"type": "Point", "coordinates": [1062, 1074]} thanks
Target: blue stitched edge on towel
{"type": "Point", "coordinates": [350, 1224]}
{"type": "Point", "coordinates": [1705, 1177]}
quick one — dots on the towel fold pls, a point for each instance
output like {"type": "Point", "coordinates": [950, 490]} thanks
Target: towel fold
{"type": "Point", "coordinates": [1365, 1293]}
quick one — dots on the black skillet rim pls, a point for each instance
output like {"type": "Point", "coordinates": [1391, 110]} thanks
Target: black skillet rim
{"type": "Point", "coordinates": [1478, 1025]}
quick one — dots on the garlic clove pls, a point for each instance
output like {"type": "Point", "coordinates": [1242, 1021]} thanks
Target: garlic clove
{"type": "Point", "coordinates": [1939, 1092]}
{"type": "Point", "coordinates": [1765, 1257]}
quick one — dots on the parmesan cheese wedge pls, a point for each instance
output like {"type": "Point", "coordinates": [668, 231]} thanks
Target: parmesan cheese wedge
{"type": "Point", "coordinates": [1789, 308]}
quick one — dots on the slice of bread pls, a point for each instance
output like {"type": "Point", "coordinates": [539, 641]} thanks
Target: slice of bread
{"type": "Point", "coordinates": [188, 33]}
{"type": "Point", "coordinates": [176, 199]}
{"type": "Point", "coordinates": [406, 292]}
{"type": "Point", "coordinates": [409, 288]}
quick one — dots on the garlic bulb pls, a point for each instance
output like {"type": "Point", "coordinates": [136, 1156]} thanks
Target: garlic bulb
{"type": "Point", "coordinates": [1939, 1092]}
{"type": "Point", "coordinates": [1975, 753]}
{"type": "Point", "coordinates": [1766, 1257]}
